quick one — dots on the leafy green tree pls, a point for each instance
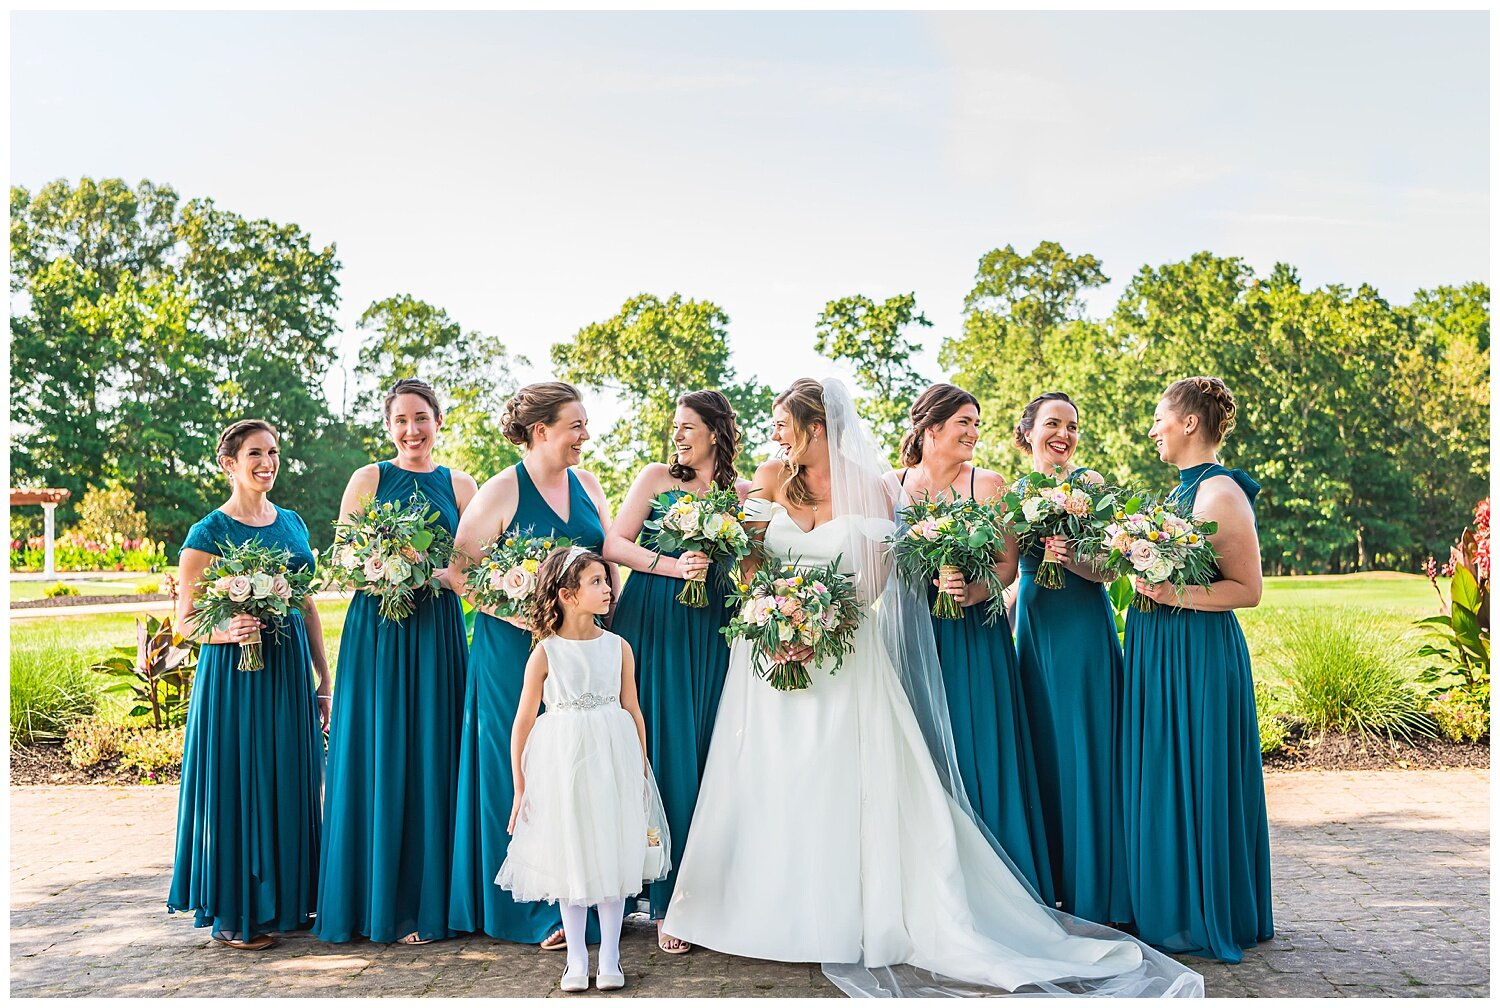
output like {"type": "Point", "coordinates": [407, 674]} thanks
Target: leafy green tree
{"type": "Point", "coordinates": [472, 374]}
{"type": "Point", "coordinates": [648, 354]}
{"type": "Point", "coordinates": [870, 336]}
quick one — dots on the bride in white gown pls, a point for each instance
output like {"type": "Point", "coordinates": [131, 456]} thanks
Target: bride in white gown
{"type": "Point", "coordinates": [831, 825]}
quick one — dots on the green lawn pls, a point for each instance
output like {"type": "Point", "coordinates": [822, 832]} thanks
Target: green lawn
{"type": "Point", "coordinates": [24, 591]}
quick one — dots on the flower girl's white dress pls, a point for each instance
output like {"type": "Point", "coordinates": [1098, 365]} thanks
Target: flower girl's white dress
{"type": "Point", "coordinates": [582, 835]}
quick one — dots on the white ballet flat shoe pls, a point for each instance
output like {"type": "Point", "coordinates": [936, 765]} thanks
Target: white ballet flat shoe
{"type": "Point", "coordinates": [572, 983]}
{"type": "Point", "coordinates": [610, 981]}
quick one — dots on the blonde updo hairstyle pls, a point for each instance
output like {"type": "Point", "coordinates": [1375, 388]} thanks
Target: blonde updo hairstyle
{"type": "Point", "coordinates": [1209, 400]}
{"type": "Point", "coordinates": [555, 575]}
{"type": "Point", "coordinates": [803, 401]}
{"type": "Point", "coordinates": [235, 434]}
{"type": "Point", "coordinates": [539, 402]}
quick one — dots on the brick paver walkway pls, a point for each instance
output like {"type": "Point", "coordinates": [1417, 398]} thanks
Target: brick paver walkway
{"type": "Point", "coordinates": [1381, 887]}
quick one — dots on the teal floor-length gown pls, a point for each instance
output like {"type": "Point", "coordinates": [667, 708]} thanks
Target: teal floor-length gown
{"type": "Point", "coordinates": [1197, 846]}
{"type": "Point", "coordinates": [248, 816]}
{"type": "Point", "coordinates": [991, 734]}
{"type": "Point", "coordinates": [1072, 670]}
{"type": "Point", "coordinates": [680, 661]}
{"type": "Point", "coordinates": [393, 754]}
{"type": "Point", "coordinates": [486, 787]}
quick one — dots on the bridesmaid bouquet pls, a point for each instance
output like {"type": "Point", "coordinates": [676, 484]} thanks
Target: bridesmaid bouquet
{"type": "Point", "coordinates": [505, 579]}
{"type": "Point", "coordinates": [708, 523]}
{"type": "Point", "coordinates": [389, 551]}
{"type": "Point", "coordinates": [947, 536]}
{"type": "Point", "coordinates": [1048, 506]}
{"type": "Point", "coordinates": [254, 579]}
{"type": "Point", "coordinates": [1157, 545]}
{"type": "Point", "coordinates": [783, 604]}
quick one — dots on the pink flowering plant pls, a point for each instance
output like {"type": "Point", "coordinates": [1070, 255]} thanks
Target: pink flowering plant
{"type": "Point", "coordinates": [504, 580]}
{"type": "Point", "coordinates": [1077, 509]}
{"type": "Point", "coordinates": [1156, 544]}
{"type": "Point", "coordinates": [1458, 648]}
{"type": "Point", "coordinates": [943, 536]}
{"type": "Point", "coordinates": [783, 605]}
{"type": "Point", "coordinates": [73, 551]}
{"type": "Point", "coordinates": [254, 579]}
{"type": "Point", "coordinates": [389, 550]}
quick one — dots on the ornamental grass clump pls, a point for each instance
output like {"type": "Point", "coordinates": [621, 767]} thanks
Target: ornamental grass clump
{"type": "Point", "coordinates": [1344, 675]}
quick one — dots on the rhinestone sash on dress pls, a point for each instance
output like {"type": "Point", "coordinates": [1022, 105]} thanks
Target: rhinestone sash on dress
{"type": "Point", "coordinates": [585, 701]}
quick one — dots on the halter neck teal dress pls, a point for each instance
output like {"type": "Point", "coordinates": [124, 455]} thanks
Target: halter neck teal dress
{"type": "Point", "coordinates": [992, 735]}
{"type": "Point", "coordinates": [393, 754]}
{"type": "Point", "coordinates": [1071, 671]}
{"type": "Point", "coordinates": [486, 788]}
{"type": "Point", "coordinates": [248, 811]}
{"type": "Point", "coordinates": [680, 660]}
{"type": "Point", "coordinates": [1197, 847]}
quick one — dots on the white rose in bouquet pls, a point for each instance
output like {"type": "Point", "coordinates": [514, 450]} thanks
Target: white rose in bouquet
{"type": "Point", "coordinates": [397, 570]}
{"type": "Point", "coordinates": [759, 609]}
{"type": "Point", "coordinates": [348, 557]}
{"type": "Point", "coordinates": [260, 584]}
{"type": "Point", "coordinates": [714, 526]}
{"type": "Point", "coordinates": [1033, 508]}
{"type": "Point", "coordinates": [1143, 555]}
{"type": "Point", "coordinates": [519, 582]}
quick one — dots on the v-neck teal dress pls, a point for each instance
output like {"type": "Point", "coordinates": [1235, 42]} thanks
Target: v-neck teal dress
{"type": "Point", "coordinates": [486, 788]}
{"type": "Point", "coordinates": [680, 663]}
{"type": "Point", "coordinates": [1197, 846]}
{"type": "Point", "coordinates": [249, 821]}
{"type": "Point", "coordinates": [393, 754]}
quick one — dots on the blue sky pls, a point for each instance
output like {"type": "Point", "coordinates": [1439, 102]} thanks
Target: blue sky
{"type": "Point", "coordinates": [529, 172]}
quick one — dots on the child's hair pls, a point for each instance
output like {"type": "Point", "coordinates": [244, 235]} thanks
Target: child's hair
{"type": "Point", "coordinates": [555, 574]}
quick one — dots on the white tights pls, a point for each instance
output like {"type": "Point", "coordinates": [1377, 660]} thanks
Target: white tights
{"type": "Point", "coordinates": [575, 917]}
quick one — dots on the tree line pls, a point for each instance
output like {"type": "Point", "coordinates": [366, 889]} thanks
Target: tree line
{"type": "Point", "coordinates": [142, 323]}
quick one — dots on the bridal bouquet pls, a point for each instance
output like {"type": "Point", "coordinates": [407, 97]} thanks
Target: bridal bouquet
{"type": "Point", "coordinates": [707, 523]}
{"type": "Point", "coordinates": [254, 579]}
{"type": "Point", "coordinates": [506, 578]}
{"type": "Point", "coordinates": [947, 536]}
{"type": "Point", "coordinates": [1157, 545]}
{"type": "Point", "coordinates": [389, 551]}
{"type": "Point", "coordinates": [784, 604]}
{"type": "Point", "coordinates": [1048, 506]}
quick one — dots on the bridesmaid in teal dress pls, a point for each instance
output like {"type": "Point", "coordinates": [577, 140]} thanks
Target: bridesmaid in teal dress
{"type": "Point", "coordinates": [544, 494]}
{"type": "Point", "coordinates": [680, 654]}
{"type": "Point", "coordinates": [393, 748]}
{"type": "Point", "coordinates": [1196, 841]}
{"type": "Point", "coordinates": [986, 701]}
{"type": "Point", "coordinates": [248, 822]}
{"type": "Point", "coordinates": [1069, 654]}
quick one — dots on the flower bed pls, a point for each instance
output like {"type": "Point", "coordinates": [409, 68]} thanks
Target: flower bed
{"type": "Point", "coordinates": [75, 552]}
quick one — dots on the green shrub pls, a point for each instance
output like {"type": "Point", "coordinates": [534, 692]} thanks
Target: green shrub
{"type": "Point", "coordinates": [148, 588]}
{"type": "Point", "coordinates": [93, 740]}
{"type": "Point", "coordinates": [1273, 725]}
{"type": "Point", "coordinates": [58, 589]}
{"type": "Point", "coordinates": [1461, 716]}
{"type": "Point", "coordinates": [1345, 675]}
{"type": "Point", "coordinates": [45, 700]}
{"type": "Point", "coordinates": [108, 509]}
{"type": "Point", "coordinates": [156, 672]}
{"type": "Point", "coordinates": [151, 751]}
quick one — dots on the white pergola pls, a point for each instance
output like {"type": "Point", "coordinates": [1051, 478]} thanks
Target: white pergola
{"type": "Point", "coordinates": [48, 498]}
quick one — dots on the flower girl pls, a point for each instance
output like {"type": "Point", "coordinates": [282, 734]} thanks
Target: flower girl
{"type": "Point", "coordinates": [587, 822]}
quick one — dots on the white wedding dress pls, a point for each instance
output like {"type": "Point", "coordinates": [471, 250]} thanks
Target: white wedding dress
{"type": "Point", "coordinates": [824, 831]}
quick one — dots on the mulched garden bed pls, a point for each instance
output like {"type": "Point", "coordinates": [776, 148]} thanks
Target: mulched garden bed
{"type": "Point", "coordinates": [46, 764]}
{"type": "Point", "coordinates": [71, 600]}
{"type": "Point", "coordinates": [1354, 752]}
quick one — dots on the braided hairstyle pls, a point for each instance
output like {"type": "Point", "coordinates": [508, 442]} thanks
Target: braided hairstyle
{"type": "Point", "coordinates": [1028, 416]}
{"type": "Point", "coordinates": [714, 409]}
{"type": "Point", "coordinates": [552, 577]}
{"type": "Point", "coordinates": [1209, 400]}
{"type": "Point", "coordinates": [804, 401]}
{"type": "Point", "coordinates": [539, 402]}
{"type": "Point", "coordinates": [933, 408]}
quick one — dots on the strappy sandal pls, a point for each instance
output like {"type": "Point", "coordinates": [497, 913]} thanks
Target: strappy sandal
{"type": "Point", "coordinates": [412, 939]}
{"type": "Point", "coordinates": [554, 942]}
{"type": "Point", "coordinates": [661, 942]}
{"type": "Point", "coordinates": [265, 941]}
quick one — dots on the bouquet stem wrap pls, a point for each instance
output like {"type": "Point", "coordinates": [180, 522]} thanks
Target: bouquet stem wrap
{"type": "Point", "coordinates": [252, 653]}
{"type": "Point", "coordinates": [1050, 573]}
{"type": "Point", "coordinates": [946, 606]}
{"type": "Point", "coordinates": [694, 593]}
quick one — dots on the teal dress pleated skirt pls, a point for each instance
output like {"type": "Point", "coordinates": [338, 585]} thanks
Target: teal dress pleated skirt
{"type": "Point", "coordinates": [393, 755]}
{"type": "Point", "coordinates": [248, 818]}
{"type": "Point", "coordinates": [1196, 837]}
{"type": "Point", "coordinates": [486, 787]}
{"type": "Point", "coordinates": [1072, 673]}
{"type": "Point", "coordinates": [681, 660]}
{"type": "Point", "coordinates": [992, 738]}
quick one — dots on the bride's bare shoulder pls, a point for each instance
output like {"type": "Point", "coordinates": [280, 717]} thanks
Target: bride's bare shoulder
{"type": "Point", "coordinates": [768, 479]}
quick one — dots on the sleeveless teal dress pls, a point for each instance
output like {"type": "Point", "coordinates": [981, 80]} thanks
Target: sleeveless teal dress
{"type": "Point", "coordinates": [393, 754]}
{"type": "Point", "coordinates": [991, 735]}
{"type": "Point", "coordinates": [248, 810]}
{"type": "Point", "coordinates": [680, 660]}
{"type": "Point", "coordinates": [1071, 669]}
{"type": "Point", "coordinates": [486, 788]}
{"type": "Point", "coordinates": [1197, 848]}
